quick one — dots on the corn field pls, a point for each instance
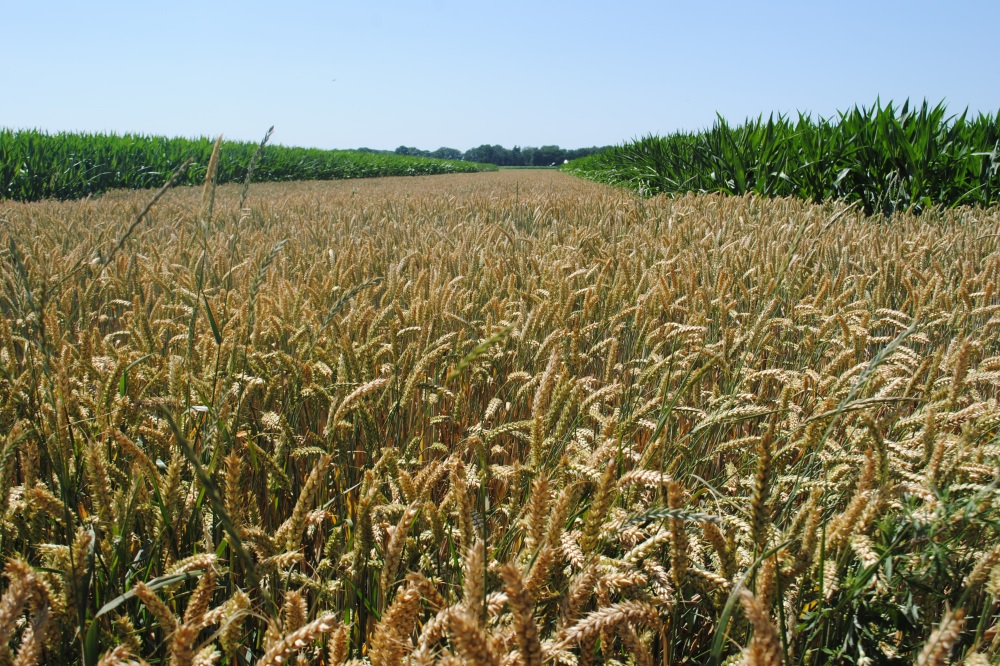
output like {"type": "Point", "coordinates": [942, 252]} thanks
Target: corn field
{"type": "Point", "coordinates": [888, 158]}
{"type": "Point", "coordinates": [36, 165]}
{"type": "Point", "coordinates": [514, 418]}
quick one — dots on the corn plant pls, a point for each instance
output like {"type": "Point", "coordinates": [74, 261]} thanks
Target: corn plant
{"type": "Point", "coordinates": [36, 165]}
{"type": "Point", "coordinates": [887, 158]}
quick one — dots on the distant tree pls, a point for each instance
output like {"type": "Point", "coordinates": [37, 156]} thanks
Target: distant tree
{"type": "Point", "coordinates": [497, 154]}
{"type": "Point", "coordinates": [413, 152]}
{"type": "Point", "coordinates": [475, 154]}
{"type": "Point", "coordinates": [548, 156]}
{"type": "Point", "coordinates": [484, 153]}
{"type": "Point", "coordinates": [447, 154]}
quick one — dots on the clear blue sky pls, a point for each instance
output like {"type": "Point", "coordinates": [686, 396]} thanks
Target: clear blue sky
{"type": "Point", "coordinates": [462, 73]}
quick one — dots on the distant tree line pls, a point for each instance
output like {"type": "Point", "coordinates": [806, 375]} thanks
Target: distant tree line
{"type": "Point", "coordinates": [516, 156]}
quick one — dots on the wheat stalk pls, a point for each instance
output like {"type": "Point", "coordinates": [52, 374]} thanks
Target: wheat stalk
{"type": "Point", "coordinates": [765, 648]}
{"type": "Point", "coordinates": [297, 640]}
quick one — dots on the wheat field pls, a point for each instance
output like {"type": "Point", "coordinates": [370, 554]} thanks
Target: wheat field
{"type": "Point", "coordinates": [511, 418]}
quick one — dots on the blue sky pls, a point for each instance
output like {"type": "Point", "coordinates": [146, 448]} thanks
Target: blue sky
{"type": "Point", "coordinates": [460, 74]}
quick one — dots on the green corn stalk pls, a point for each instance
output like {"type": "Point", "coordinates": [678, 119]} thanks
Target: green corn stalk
{"type": "Point", "coordinates": [887, 158]}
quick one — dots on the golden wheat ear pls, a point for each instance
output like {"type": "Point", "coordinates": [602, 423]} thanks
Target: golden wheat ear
{"type": "Point", "coordinates": [607, 618]}
{"type": "Point", "coordinates": [394, 551]}
{"type": "Point", "coordinates": [298, 640]}
{"type": "Point", "coordinates": [523, 608]}
{"type": "Point", "coordinates": [765, 646]}
{"type": "Point", "coordinates": [164, 616]}
{"type": "Point", "coordinates": [470, 641]}
{"type": "Point", "coordinates": [182, 642]}
{"type": "Point", "coordinates": [338, 646]}
{"type": "Point", "coordinates": [120, 656]}
{"type": "Point", "coordinates": [391, 640]}
{"type": "Point", "coordinates": [937, 649]}
{"type": "Point", "coordinates": [208, 190]}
